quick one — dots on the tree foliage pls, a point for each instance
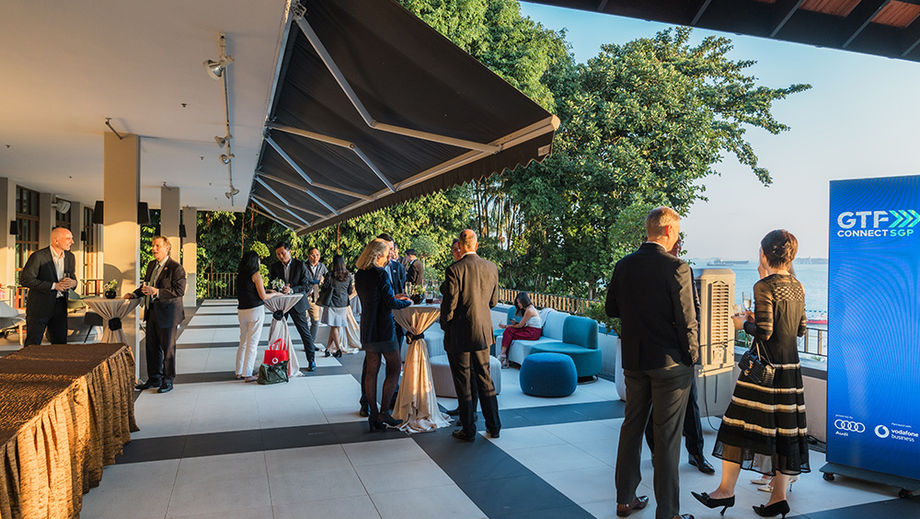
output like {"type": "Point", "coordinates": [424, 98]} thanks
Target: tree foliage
{"type": "Point", "coordinates": [642, 124]}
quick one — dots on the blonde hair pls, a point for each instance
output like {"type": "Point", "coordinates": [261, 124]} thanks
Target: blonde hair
{"type": "Point", "coordinates": [658, 219]}
{"type": "Point", "coordinates": [371, 252]}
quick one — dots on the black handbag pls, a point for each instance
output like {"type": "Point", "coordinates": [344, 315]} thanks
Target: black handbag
{"type": "Point", "coordinates": [273, 373]}
{"type": "Point", "coordinates": [325, 292]}
{"type": "Point", "coordinates": [756, 366]}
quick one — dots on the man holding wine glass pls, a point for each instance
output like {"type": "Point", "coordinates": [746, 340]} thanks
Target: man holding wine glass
{"type": "Point", "coordinates": [49, 274]}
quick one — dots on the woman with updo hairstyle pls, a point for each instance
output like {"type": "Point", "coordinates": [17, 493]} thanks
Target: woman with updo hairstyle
{"type": "Point", "coordinates": [764, 428]}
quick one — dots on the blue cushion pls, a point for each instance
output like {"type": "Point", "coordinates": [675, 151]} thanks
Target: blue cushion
{"type": "Point", "coordinates": [512, 315]}
{"type": "Point", "coordinates": [581, 331]}
{"type": "Point", "coordinates": [554, 324]}
{"type": "Point", "coordinates": [548, 374]}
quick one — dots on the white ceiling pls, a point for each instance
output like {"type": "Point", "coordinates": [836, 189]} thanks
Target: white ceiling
{"type": "Point", "coordinates": [65, 66]}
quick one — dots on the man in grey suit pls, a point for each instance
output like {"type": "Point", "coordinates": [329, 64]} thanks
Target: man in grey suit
{"type": "Point", "coordinates": [651, 293]}
{"type": "Point", "coordinates": [469, 291]}
{"type": "Point", "coordinates": [49, 274]}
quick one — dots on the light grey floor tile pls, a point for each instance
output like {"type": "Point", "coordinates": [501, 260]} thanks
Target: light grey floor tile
{"type": "Point", "coordinates": [384, 452]}
{"type": "Point", "coordinates": [248, 513]}
{"type": "Point", "coordinates": [293, 488]}
{"type": "Point", "coordinates": [554, 458]}
{"type": "Point", "coordinates": [402, 476]}
{"type": "Point", "coordinates": [306, 460]}
{"type": "Point", "coordinates": [584, 485]}
{"type": "Point", "coordinates": [219, 495]}
{"type": "Point", "coordinates": [526, 437]}
{"type": "Point", "coordinates": [448, 501]}
{"type": "Point", "coordinates": [353, 507]}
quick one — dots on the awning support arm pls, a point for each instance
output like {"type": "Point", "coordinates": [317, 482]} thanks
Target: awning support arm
{"type": "Point", "coordinates": [335, 142]}
{"type": "Point", "coordinates": [268, 176]}
{"type": "Point", "coordinates": [299, 171]}
{"type": "Point", "coordinates": [283, 201]}
{"type": "Point", "coordinates": [262, 200]}
{"type": "Point", "coordinates": [265, 211]}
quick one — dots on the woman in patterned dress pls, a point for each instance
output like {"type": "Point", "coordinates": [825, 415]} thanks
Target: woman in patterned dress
{"type": "Point", "coordinates": [764, 428]}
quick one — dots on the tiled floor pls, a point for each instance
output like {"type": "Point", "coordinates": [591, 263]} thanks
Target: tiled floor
{"type": "Point", "coordinates": [219, 448]}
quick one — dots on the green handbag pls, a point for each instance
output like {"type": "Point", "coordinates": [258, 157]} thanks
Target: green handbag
{"type": "Point", "coordinates": [273, 373]}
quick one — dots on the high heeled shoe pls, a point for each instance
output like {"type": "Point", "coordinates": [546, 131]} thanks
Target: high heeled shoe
{"type": "Point", "coordinates": [725, 502]}
{"type": "Point", "coordinates": [387, 419]}
{"type": "Point", "coordinates": [768, 486]}
{"type": "Point", "coordinates": [337, 354]}
{"type": "Point", "coordinates": [375, 424]}
{"type": "Point", "coordinates": [777, 508]}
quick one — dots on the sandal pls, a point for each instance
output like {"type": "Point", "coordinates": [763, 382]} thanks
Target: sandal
{"type": "Point", "coordinates": [504, 360]}
{"type": "Point", "coordinates": [251, 379]}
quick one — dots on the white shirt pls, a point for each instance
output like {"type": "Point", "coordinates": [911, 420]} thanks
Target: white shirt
{"type": "Point", "coordinates": [287, 267]}
{"type": "Point", "coordinates": [58, 266]}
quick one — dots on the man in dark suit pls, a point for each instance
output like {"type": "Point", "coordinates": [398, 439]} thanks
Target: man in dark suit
{"type": "Point", "coordinates": [469, 292]}
{"type": "Point", "coordinates": [49, 274]}
{"type": "Point", "coordinates": [294, 274]}
{"type": "Point", "coordinates": [415, 272]}
{"type": "Point", "coordinates": [693, 429]}
{"type": "Point", "coordinates": [651, 293]}
{"type": "Point", "coordinates": [164, 286]}
{"type": "Point", "coordinates": [474, 395]}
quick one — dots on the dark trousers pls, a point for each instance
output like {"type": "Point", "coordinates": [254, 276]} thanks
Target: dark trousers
{"type": "Point", "coordinates": [160, 344]}
{"type": "Point", "coordinates": [55, 324]}
{"type": "Point", "coordinates": [662, 393]}
{"type": "Point", "coordinates": [300, 322]}
{"type": "Point", "coordinates": [471, 368]}
{"type": "Point", "coordinates": [693, 430]}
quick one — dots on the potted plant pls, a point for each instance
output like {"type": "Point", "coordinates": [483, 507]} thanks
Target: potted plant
{"type": "Point", "coordinates": [109, 289]}
{"type": "Point", "coordinates": [276, 284]}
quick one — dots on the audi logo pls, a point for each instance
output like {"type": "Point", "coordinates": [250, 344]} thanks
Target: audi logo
{"type": "Point", "coordinates": [849, 425]}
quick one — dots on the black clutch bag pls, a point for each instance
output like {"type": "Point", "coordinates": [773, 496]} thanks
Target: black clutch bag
{"type": "Point", "coordinates": [756, 366]}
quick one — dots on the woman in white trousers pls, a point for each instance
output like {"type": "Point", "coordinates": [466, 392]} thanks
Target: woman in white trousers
{"type": "Point", "coordinates": [251, 293]}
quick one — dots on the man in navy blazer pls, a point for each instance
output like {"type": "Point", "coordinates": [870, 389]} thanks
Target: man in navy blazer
{"type": "Point", "coordinates": [49, 274]}
{"type": "Point", "coordinates": [164, 285]}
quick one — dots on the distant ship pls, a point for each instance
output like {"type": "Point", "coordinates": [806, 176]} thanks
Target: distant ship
{"type": "Point", "coordinates": [726, 263]}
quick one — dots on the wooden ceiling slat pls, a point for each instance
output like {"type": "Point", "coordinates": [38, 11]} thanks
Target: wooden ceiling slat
{"type": "Point", "coordinates": [834, 7]}
{"type": "Point", "coordinates": [898, 14]}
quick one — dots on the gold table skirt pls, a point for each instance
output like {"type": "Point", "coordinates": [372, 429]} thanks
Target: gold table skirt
{"type": "Point", "coordinates": [66, 410]}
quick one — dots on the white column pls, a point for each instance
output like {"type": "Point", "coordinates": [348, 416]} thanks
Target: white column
{"type": "Point", "coordinates": [46, 219]}
{"type": "Point", "coordinates": [7, 240]}
{"type": "Point", "coordinates": [169, 218]}
{"type": "Point", "coordinates": [120, 233]}
{"type": "Point", "coordinates": [190, 254]}
{"type": "Point", "coordinates": [76, 225]}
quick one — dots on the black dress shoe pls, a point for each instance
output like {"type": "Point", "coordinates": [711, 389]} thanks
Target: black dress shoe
{"type": "Point", "coordinates": [312, 366]}
{"type": "Point", "coordinates": [701, 464]}
{"type": "Point", "coordinates": [453, 412]}
{"type": "Point", "coordinates": [494, 433]}
{"type": "Point", "coordinates": [147, 385]}
{"type": "Point", "coordinates": [460, 434]}
{"type": "Point", "coordinates": [165, 388]}
{"type": "Point", "coordinates": [365, 411]}
{"type": "Point", "coordinates": [725, 502]}
{"type": "Point", "coordinates": [683, 516]}
{"type": "Point", "coordinates": [638, 503]}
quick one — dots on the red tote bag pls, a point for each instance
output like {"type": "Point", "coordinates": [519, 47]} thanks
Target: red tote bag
{"type": "Point", "coordinates": [276, 352]}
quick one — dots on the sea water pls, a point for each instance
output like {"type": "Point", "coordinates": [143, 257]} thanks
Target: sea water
{"type": "Point", "coordinates": [812, 276]}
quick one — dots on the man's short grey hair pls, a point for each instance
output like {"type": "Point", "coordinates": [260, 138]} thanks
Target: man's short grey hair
{"type": "Point", "coordinates": [658, 219]}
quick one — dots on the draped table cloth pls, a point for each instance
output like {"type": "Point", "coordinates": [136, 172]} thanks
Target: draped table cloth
{"type": "Point", "coordinates": [66, 410]}
{"type": "Point", "coordinates": [279, 306]}
{"type": "Point", "coordinates": [416, 402]}
{"type": "Point", "coordinates": [113, 311]}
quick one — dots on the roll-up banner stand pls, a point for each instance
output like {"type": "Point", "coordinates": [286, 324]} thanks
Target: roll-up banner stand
{"type": "Point", "coordinates": [873, 375]}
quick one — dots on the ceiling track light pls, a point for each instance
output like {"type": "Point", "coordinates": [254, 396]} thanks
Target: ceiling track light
{"type": "Point", "coordinates": [216, 68]}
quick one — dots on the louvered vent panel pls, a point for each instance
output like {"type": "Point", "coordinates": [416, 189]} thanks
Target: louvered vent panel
{"type": "Point", "coordinates": [719, 327]}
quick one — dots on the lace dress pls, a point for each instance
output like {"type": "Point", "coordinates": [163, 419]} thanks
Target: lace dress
{"type": "Point", "coordinates": [764, 428]}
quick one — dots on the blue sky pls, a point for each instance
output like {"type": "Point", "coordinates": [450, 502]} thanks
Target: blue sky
{"type": "Point", "coordinates": [859, 120]}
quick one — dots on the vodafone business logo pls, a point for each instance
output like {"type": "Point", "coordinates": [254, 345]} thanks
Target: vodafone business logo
{"type": "Point", "coordinates": [881, 431]}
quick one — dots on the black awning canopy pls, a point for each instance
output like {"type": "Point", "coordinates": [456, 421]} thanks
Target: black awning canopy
{"type": "Point", "coordinates": [373, 107]}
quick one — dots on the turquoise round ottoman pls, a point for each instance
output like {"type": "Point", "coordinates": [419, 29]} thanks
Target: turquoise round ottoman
{"type": "Point", "coordinates": [548, 374]}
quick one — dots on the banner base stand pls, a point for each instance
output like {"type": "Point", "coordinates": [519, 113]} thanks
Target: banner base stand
{"type": "Point", "coordinates": [908, 486]}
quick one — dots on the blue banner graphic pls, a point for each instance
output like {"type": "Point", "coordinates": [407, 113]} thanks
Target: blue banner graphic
{"type": "Point", "coordinates": [873, 383]}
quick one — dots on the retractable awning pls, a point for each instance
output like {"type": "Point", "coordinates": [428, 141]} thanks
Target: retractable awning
{"type": "Point", "coordinates": [372, 107]}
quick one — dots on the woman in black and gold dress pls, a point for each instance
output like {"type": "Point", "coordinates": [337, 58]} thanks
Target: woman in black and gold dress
{"type": "Point", "coordinates": [764, 428]}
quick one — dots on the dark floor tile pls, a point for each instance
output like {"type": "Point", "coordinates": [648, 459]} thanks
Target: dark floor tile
{"type": "Point", "coordinates": [198, 378]}
{"type": "Point", "coordinates": [520, 495]}
{"type": "Point", "coordinates": [893, 508]}
{"type": "Point", "coordinates": [197, 345]}
{"type": "Point", "coordinates": [211, 444]}
{"type": "Point", "coordinates": [151, 449]}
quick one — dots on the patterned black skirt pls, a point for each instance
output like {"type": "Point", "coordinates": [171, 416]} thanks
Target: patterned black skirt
{"type": "Point", "coordinates": [764, 428]}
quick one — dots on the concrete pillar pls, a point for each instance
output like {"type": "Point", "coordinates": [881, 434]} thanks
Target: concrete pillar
{"type": "Point", "coordinates": [76, 225]}
{"type": "Point", "coordinates": [169, 218]}
{"type": "Point", "coordinates": [190, 254]}
{"type": "Point", "coordinates": [7, 240]}
{"type": "Point", "coordinates": [120, 232]}
{"type": "Point", "coordinates": [46, 219]}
